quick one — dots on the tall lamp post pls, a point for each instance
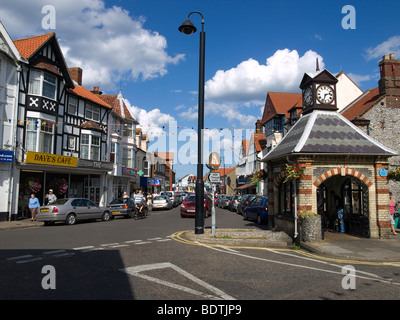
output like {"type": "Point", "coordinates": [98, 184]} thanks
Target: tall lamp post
{"type": "Point", "coordinates": [188, 28]}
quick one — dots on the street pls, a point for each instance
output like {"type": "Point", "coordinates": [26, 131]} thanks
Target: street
{"type": "Point", "coordinates": [146, 260]}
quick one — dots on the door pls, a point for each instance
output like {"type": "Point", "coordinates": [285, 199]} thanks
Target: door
{"type": "Point", "coordinates": [92, 211]}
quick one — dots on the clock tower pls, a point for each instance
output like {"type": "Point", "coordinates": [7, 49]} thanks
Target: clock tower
{"type": "Point", "coordinates": [319, 91]}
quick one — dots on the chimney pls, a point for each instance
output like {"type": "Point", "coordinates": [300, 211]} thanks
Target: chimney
{"type": "Point", "coordinates": [96, 90]}
{"type": "Point", "coordinates": [259, 128]}
{"type": "Point", "coordinates": [389, 83]}
{"type": "Point", "coordinates": [76, 74]}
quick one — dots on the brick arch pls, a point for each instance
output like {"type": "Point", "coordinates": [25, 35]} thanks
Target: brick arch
{"type": "Point", "coordinates": [279, 178]}
{"type": "Point", "coordinates": [347, 172]}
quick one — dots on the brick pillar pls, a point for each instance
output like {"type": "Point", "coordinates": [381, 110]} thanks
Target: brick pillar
{"type": "Point", "coordinates": [382, 202]}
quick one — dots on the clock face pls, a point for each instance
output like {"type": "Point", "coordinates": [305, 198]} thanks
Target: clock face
{"type": "Point", "coordinates": [325, 94]}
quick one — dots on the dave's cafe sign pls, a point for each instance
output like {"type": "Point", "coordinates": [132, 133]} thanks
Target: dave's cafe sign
{"type": "Point", "coordinates": [50, 159]}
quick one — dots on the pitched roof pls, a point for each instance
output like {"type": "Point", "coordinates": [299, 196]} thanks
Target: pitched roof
{"type": "Point", "coordinates": [327, 132]}
{"type": "Point", "coordinates": [362, 104]}
{"type": "Point", "coordinates": [85, 93]}
{"type": "Point", "coordinates": [118, 105]}
{"type": "Point", "coordinates": [260, 141]}
{"type": "Point", "coordinates": [28, 46]}
{"type": "Point", "coordinates": [225, 171]}
{"type": "Point", "coordinates": [280, 103]}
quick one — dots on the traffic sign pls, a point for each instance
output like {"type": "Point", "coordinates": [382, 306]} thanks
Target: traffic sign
{"type": "Point", "coordinates": [214, 177]}
{"type": "Point", "coordinates": [214, 161]}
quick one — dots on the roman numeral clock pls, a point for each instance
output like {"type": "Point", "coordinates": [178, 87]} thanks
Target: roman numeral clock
{"type": "Point", "coordinates": [319, 91]}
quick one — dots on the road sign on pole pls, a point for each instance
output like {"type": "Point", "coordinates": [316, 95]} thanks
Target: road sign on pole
{"type": "Point", "coordinates": [214, 161]}
{"type": "Point", "coordinates": [214, 177]}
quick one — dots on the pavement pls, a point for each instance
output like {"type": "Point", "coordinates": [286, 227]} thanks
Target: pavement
{"type": "Point", "coordinates": [337, 246]}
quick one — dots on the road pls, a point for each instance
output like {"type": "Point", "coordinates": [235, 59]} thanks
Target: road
{"type": "Point", "coordinates": [144, 260]}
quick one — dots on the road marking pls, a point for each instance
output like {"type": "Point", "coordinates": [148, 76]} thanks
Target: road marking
{"type": "Point", "coordinates": [20, 257]}
{"type": "Point", "coordinates": [83, 248]}
{"type": "Point", "coordinates": [109, 244]}
{"type": "Point", "coordinates": [30, 260]}
{"type": "Point", "coordinates": [152, 239]}
{"type": "Point", "coordinates": [53, 252]}
{"type": "Point", "coordinates": [64, 254]}
{"type": "Point", "coordinates": [144, 242]}
{"type": "Point", "coordinates": [163, 240]}
{"type": "Point", "coordinates": [119, 246]}
{"type": "Point", "coordinates": [133, 241]}
{"type": "Point", "coordinates": [136, 271]}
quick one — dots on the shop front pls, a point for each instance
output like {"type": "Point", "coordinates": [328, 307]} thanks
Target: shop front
{"type": "Point", "coordinates": [67, 176]}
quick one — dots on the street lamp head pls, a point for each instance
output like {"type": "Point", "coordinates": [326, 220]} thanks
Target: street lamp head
{"type": "Point", "coordinates": [187, 27]}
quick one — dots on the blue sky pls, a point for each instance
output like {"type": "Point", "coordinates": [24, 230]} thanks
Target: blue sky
{"type": "Point", "coordinates": [252, 47]}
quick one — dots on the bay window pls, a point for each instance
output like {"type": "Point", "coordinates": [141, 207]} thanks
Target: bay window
{"type": "Point", "coordinates": [39, 135]}
{"type": "Point", "coordinates": [90, 146]}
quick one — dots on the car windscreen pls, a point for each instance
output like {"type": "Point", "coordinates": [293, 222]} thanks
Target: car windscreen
{"type": "Point", "coordinates": [160, 198]}
{"type": "Point", "coordinates": [190, 198]}
{"type": "Point", "coordinates": [116, 201]}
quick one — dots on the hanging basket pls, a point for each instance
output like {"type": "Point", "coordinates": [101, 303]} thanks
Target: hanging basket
{"type": "Point", "coordinates": [394, 174]}
{"type": "Point", "coordinates": [294, 171]}
{"type": "Point", "coordinates": [259, 176]}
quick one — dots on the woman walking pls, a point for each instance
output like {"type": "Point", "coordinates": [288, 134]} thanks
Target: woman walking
{"type": "Point", "coordinates": [33, 206]}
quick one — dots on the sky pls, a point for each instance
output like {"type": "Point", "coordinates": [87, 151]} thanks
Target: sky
{"type": "Point", "coordinates": [252, 47]}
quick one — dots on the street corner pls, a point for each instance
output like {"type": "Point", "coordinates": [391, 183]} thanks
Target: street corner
{"type": "Point", "coordinates": [247, 238]}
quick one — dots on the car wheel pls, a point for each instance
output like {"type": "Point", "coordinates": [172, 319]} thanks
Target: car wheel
{"type": "Point", "coordinates": [71, 219]}
{"type": "Point", "coordinates": [106, 216]}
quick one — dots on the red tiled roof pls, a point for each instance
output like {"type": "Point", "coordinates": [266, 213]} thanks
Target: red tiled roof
{"type": "Point", "coordinates": [224, 171]}
{"type": "Point", "coordinates": [361, 105]}
{"type": "Point", "coordinates": [259, 141]}
{"type": "Point", "coordinates": [85, 93]}
{"type": "Point", "coordinates": [280, 103]}
{"type": "Point", "coordinates": [28, 46]}
{"type": "Point", "coordinates": [113, 101]}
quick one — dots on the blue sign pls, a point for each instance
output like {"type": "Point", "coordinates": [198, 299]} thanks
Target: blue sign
{"type": "Point", "coordinates": [383, 172]}
{"type": "Point", "coordinates": [6, 156]}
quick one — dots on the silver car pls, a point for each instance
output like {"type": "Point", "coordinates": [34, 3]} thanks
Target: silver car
{"type": "Point", "coordinates": [162, 202]}
{"type": "Point", "coordinates": [71, 210]}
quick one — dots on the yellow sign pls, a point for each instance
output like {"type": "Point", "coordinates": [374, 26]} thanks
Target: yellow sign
{"type": "Point", "coordinates": [51, 159]}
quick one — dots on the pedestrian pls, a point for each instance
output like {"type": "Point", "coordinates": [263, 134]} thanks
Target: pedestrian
{"type": "Point", "coordinates": [392, 206]}
{"type": "Point", "coordinates": [33, 206]}
{"type": "Point", "coordinates": [125, 195]}
{"type": "Point", "coordinates": [140, 199]}
{"type": "Point", "coordinates": [338, 209]}
{"type": "Point", "coordinates": [51, 197]}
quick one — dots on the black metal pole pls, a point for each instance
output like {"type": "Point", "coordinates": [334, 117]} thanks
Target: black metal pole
{"type": "Point", "coordinates": [199, 215]}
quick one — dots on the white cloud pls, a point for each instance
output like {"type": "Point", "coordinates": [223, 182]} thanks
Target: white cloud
{"type": "Point", "coordinates": [107, 43]}
{"type": "Point", "coordinates": [391, 45]}
{"type": "Point", "coordinates": [250, 81]}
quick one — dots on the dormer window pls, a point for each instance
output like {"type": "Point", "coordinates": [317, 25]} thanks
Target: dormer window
{"type": "Point", "coordinates": [42, 84]}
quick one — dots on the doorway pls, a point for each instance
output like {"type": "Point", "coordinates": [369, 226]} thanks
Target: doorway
{"type": "Point", "coordinates": [355, 197]}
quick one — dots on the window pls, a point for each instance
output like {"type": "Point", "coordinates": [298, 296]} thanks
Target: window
{"type": "Point", "coordinates": [72, 105]}
{"type": "Point", "coordinates": [286, 203]}
{"type": "Point", "coordinates": [39, 135]}
{"type": "Point", "coordinates": [115, 151]}
{"type": "Point", "coordinates": [42, 84]}
{"type": "Point", "coordinates": [128, 130]}
{"type": "Point", "coordinates": [90, 147]}
{"type": "Point", "coordinates": [92, 112]}
{"type": "Point", "coordinates": [127, 158]}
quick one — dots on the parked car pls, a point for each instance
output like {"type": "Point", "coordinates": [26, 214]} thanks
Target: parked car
{"type": "Point", "coordinates": [71, 210]}
{"type": "Point", "coordinates": [244, 202]}
{"type": "Point", "coordinates": [220, 199]}
{"type": "Point", "coordinates": [257, 210]}
{"type": "Point", "coordinates": [171, 195]}
{"type": "Point", "coordinates": [162, 202]}
{"type": "Point", "coordinates": [188, 207]}
{"type": "Point", "coordinates": [224, 202]}
{"type": "Point", "coordinates": [234, 202]}
{"type": "Point", "coordinates": [122, 207]}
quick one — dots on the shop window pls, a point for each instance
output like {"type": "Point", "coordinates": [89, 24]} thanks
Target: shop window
{"type": "Point", "coordinates": [90, 147]}
{"type": "Point", "coordinates": [39, 135]}
{"type": "Point", "coordinates": [42, 84]}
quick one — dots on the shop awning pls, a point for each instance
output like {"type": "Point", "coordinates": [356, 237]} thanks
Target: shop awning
{"type": "Point", "coordinates": [246, 186]}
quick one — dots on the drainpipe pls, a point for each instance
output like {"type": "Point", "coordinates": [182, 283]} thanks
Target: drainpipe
{"type": "Point", "coordinates": [295, 202]}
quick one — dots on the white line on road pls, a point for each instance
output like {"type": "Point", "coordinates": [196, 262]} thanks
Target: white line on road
{"type": "Point", "coordinates": [30, 260]}
{"type": "Point", "coordinates": [109, 244]}
{"type": "Point", "coordinates": [133, 241]}
{"type": "Point", "coordinates": [152, 239]}
{"type": "Point", "coordinates": [163, 240]}
{"type": "Point", "coordinates": [144, 242]}
{"type": "Point", "coordinates": [20, 257]}
{"type": "Point", "coordinates": [83, 248]}
{"type": "Point", "coordinates": [53, 252]}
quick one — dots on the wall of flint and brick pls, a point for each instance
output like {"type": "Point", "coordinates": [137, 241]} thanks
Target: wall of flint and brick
{"type": "Point", "coordinates": [321, 168]}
